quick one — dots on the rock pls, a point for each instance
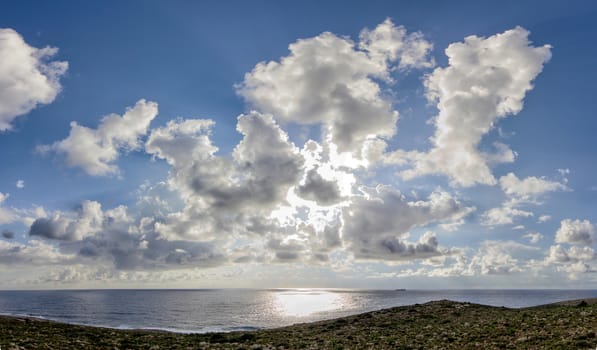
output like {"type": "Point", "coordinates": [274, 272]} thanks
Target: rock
{"type": "Point", "coordinates": [522, 339]}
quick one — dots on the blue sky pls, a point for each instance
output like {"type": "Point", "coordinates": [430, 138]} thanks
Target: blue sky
{"type": "Point", "coordinates": [353, 144]}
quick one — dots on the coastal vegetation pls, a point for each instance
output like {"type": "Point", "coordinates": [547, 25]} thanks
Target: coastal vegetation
{"type": "Point", "coordinates": [434, 325]}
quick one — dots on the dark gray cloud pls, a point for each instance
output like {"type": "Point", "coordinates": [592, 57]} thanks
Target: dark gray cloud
{"type": "Point", "coordinates": [113, 237]}
{"type": "Point", "coordinates": [47, 228]}
{"type": "Point", "coordinates": [331, 236]}
{"type": "Point", "coordinates": [87, 221]}
{"type": "Point", "coordinates": [387, 211]}
{"type": "Point", "coordinates": [287, 256]}
{"type": "Point", "coordinates": [373, 225]}
{"type": "Point", "coordinates": [8, 234]}
{"type": "Point", "coordinates": [146, 251]}
{"type": "Point", "coordinates": [321, 257]}
{"type": "Point", "coordinates": [318, 189]}
{"type": "Point", "coordinates": [286, 251]}
{"type": "Point", "coordinates": [392, 248]}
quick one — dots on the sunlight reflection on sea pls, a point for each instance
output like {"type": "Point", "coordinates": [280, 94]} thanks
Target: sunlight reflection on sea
{"type": "Point", "coordinates": [305, 302]}
{"type": "Point", "coordinates": [210, 310]}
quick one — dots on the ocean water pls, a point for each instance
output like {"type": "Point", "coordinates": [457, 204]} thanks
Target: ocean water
{"type": "Point", "coordinates": [210, 310]}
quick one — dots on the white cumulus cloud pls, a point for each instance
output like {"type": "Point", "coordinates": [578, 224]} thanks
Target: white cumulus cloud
{"type": "Point", "coordinates": [573, 261]}
{"type": "Point", "coordinates": [503, 215]}
{"type": "Point", "coordinates": [519, 192]}
{"type": "Point", "coordinates": [6, 215]}
{"type": "Point", "coordinates": [96, 150]}
{"type": "Point", "coordinates": [35, 252]}
{"type": "Point", "coordinates": [533, 237]}
{"type": "Point", "coordinates": [331, 81]}
{"type": "Point", "coordinates": [390, 42]}
{"type": "Point", "coordinates": [496, 258]}
{"type": "Point", "coordinates": [529, 188]}
{"type": "Point", "coordinates": [486, 80]}
{"type": "Point", "coordinates": [27, 76]}
{"type": "Point", "coordinates": [576, 232]}
{"type": "Point", "coordinates": [559, 254]}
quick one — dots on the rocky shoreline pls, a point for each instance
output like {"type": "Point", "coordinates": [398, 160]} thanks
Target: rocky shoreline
{"type": "Point", "coordinates": [434, 325]}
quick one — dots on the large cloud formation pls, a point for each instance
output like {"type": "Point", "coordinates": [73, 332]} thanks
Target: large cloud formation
{"type": "Point", "coordinates": [331, 81]}
{"type": "Point", "coordinates": [113, 237]}
{"type": "Point", "coordinates": [275, 201]}
{"type": "Point", "coordinates": [27, 76]}
{"type": "Point", "coordinates": [220, 191]}
{"type": "Point", "coordinates": [486, 80]}
{"type": "Point", "coordinates": [375, 223]}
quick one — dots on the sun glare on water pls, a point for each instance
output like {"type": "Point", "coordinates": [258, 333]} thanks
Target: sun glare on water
{"type": "Point", "coordinates": [300, 303]}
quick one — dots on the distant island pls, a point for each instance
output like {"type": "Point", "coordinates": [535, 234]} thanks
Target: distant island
{"type": "Point", "coordinates": [434, 325]}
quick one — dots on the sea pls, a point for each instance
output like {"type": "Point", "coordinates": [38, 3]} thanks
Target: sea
{"type": "Point", "coordinates": [224, 310]}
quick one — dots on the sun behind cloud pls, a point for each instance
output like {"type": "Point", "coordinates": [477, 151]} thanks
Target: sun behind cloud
{"type": "Point", "coordinates": [346, 199]}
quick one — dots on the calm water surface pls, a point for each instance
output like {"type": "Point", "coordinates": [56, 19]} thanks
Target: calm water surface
{"type": "Point", "coordinates": [208, 310]}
